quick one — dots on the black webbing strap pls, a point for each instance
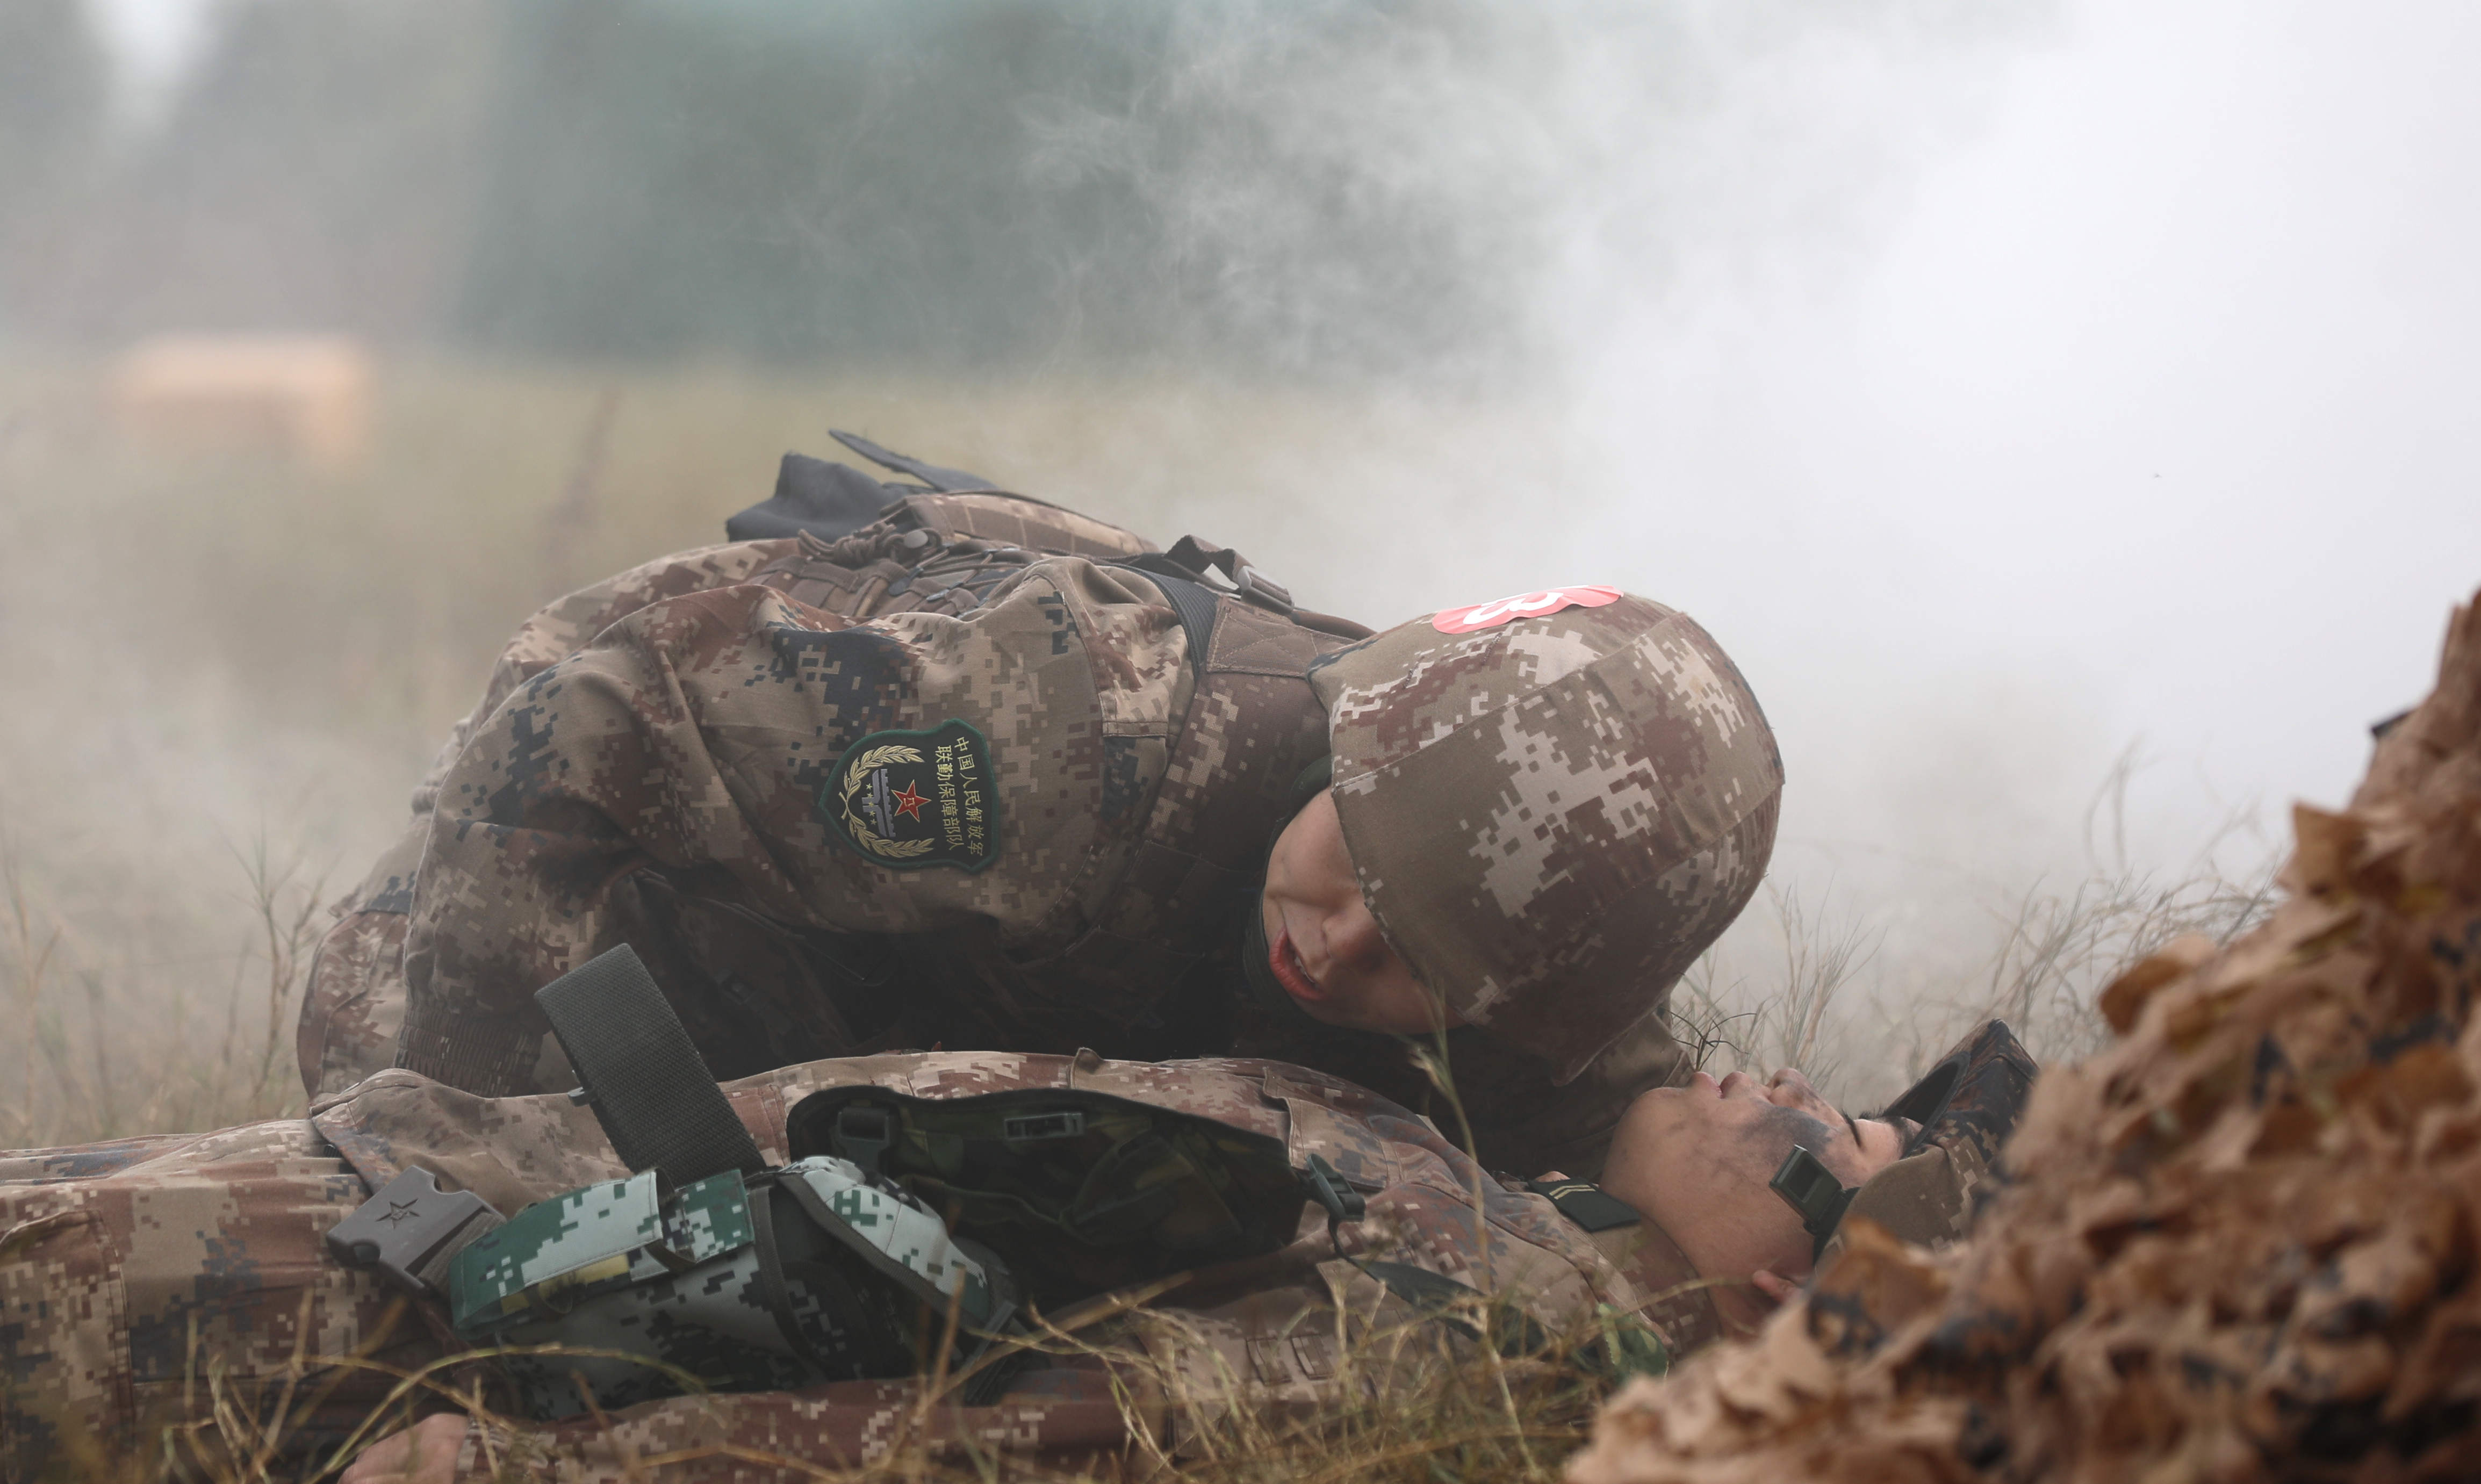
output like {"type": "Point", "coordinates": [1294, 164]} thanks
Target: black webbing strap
{"type": "Point", "coordinates": [647, 1084]}
{"type": "Point", "coordinates": [1193, 600]}
{"type": "Point", "coordinates": [938, 478]}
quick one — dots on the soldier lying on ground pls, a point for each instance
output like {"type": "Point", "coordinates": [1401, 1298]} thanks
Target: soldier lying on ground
{"type": "Point", "coordinates": [146, 1280]}
{"type": "Point", "coordinates": [1028, 805]}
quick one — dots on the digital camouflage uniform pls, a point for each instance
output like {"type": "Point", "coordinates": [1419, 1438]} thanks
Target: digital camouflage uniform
{"type": "Point", "coordinates": [676, 759]}
{"type": "Point", "coordinates": [356, 999]}
{"type": "Point", "coordinates": [137, 1278]}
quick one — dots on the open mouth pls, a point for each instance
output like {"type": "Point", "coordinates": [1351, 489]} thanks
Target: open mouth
{"type": "Point", "coordinates": [1286, 962]}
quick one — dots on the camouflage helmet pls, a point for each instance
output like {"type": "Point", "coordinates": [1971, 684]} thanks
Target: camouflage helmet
{"type": "Point", "coordinates": [1553, 803]}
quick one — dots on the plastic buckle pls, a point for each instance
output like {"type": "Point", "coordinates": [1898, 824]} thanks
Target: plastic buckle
{"type": "Point", "coordinates": [1811, 1189]}
{"type": "Point", "coordinates": [1342, 1202]}
{"type": "Point", "coordinates": [1247, 583]}
{"type": "Point", "coordinates": [411, 1230]}
{"type": "Point", "coordinates": [988, 1384]}
{"type": "Point", "coordinates": [1257, 587]}
{"type": "Point", "coordinates": [862, 1135]}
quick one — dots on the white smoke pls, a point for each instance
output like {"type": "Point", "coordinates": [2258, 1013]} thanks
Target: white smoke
{"type": "Point", "coordinates": [2015, 399]}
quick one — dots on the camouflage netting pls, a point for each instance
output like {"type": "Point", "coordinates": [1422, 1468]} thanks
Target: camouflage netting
{"type": "Point", "coordinates": [2243, 1244]}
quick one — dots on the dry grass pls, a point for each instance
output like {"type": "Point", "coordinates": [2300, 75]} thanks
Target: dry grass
{"type": "Point", "coordinates": [1411, 1408]}
{"type": "Point", "coordinates": [225, 671]}
{"type": "Point", "coordinates": [1864, 1028]}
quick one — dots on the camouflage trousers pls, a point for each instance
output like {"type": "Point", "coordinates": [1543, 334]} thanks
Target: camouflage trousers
{"type": "Point", "coordinates": [172, 1299]}
{"type": "Point", "coordinates": [161, 1282]}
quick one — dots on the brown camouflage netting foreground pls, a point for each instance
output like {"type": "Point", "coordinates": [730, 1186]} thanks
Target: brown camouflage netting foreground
{"type": "Point", "coordinates": [2242, 1246]}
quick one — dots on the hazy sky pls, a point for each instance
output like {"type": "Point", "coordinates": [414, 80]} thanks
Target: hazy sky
{"type": "Point", "coordinates": [2147, 408]}
{"type": "Point", "coordinates": [2176, 373]}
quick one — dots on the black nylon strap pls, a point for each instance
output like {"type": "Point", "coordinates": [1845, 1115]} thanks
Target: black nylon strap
{"type": "Point", "coordinates": [938, 478]}
{"type": "Point", "coordinates": [1193, 600]}
{"type": "Point", "coordinates": [649, 1088]}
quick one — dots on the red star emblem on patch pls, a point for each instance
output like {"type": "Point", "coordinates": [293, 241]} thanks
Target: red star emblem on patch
{"type": "Point", "coordinates": [908, 802]}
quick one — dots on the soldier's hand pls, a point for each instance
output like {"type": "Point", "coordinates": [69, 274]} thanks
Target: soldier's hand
{"type": "Point", "coordinates": [1775, 1285]}
{"type": "Point", "coordinates": [424, 1453]}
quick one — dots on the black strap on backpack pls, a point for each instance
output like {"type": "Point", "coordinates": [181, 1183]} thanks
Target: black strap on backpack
{"type": "Point", "coordinates": [826, 500]}
{"type": "Point", "coordinates": [942, 481]}
{"type": "Point", "coordinates": [645, 1080]}
{"type": "Point", "coordinates": [1190, 599]}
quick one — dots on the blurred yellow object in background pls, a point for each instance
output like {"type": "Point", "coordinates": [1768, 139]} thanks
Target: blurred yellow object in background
{"type": "Point", "coordinates": [308, 396]}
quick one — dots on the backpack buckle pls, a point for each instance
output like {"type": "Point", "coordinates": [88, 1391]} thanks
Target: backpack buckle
{"type": "Point", "coordinates": [1328, 1188]}
{"type": "Point", "coordinates": [411, 1230]}
{"type": "Point", "coordinates": [1248, 583]}
{"type": "Point", "coordinates": [1258, 587]}
{"type": "Point", "coordinates": [862, 1135]}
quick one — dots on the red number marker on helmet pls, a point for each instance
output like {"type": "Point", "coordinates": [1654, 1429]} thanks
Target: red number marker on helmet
{"type": "Point", "coordinates": [1524, 605]}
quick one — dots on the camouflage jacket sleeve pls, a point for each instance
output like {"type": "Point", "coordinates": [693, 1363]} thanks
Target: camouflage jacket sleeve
{"type": "Point", "coordinates": [914, 774]}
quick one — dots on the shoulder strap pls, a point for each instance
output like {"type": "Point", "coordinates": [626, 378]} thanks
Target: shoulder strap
{"type": "Point", "coordinates": [1193, 600]}
{"type": "Point", "coordinates": [1586, 1204]}
{"type": "Point", "coordinates": [938, 478]}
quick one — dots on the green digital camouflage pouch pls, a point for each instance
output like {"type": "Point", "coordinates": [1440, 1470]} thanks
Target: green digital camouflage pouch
{"type": "Point", "coordinates": [812, 1273]}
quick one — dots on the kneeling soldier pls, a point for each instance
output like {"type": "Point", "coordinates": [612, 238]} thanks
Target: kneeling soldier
{"type": "Point", "coordinates": [1109, 798]}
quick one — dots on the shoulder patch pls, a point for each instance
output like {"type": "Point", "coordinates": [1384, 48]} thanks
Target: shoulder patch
{"type": "Point", "coordinates": [908, 800]}
{"type": "Point", "coordinates": [1524, 605]}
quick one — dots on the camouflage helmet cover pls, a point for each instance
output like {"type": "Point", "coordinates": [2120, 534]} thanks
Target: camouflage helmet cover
{"type": "Point", "coordinates": [1551, 816]}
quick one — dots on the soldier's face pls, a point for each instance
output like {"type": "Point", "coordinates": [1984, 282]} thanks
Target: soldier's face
{"type": "Point", "coordinates": [1327, 951]}
{"type": "Point", "coordinates": [1696, 1161]}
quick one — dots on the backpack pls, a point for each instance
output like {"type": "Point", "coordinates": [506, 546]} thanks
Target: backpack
{"type": "Point", "coordinates": [900, 1228]}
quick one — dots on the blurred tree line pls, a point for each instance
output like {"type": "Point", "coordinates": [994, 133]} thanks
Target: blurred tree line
{"type": "Point", "coordinates": [937, 182]}
{"type": "Point", "coordinates": [53, 87]}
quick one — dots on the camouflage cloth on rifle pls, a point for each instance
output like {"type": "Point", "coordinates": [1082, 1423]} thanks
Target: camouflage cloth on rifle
{"type": "Point", "coordinates": [744, 787]}
{"type": "Point", "coordinates": [146, 1280]}
{"type": "Point", "coordinates": [2239, 1244]}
